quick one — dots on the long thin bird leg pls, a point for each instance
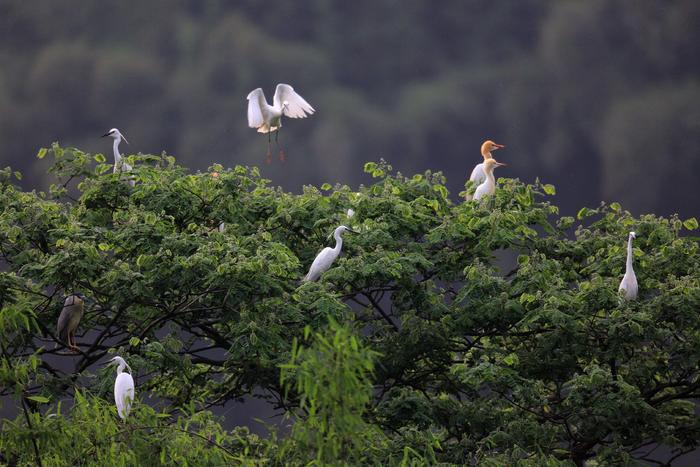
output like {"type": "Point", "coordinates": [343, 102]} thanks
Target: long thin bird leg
{"type": "Point", "coordinates": [268, 158]}
{"type": "Point", "coordinates": [281, 153]}
{"type": "Point", "coordinates": [71, 343]}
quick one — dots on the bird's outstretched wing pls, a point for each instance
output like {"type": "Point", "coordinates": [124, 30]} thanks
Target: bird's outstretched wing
{"type": "Point", "coordinates": [296, 107]}
{"type": "Point", "coordinates": [256, 108]}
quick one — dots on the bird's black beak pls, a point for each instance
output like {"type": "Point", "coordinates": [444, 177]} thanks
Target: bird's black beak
{"type": "Point", "coordinates": [106, 134]}
{"type": "Point", "coordinates": [352, 231]}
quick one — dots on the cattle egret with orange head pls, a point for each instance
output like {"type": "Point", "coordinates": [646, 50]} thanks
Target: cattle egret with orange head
{"type": "Point", "coordinates": [488, 187]}
{"type": "Point", "coordinates": [478, 175]}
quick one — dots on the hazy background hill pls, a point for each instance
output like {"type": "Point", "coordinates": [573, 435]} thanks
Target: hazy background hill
{"type": "Point", "coordinates": [601, 98]}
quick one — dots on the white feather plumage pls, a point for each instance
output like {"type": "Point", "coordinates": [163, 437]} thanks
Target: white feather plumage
{"type": "Point", "coordinates": [268, 118]}
{"type": "Point", "coordinates": [629, 288]}
{"type": "Point", "coordinates": [327, 256]}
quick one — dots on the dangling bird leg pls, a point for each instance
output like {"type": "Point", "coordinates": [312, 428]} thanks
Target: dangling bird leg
{"type": "Point", "coordinates": [281, 152]}
{"type": "Point", "coordinates": [268, 158]}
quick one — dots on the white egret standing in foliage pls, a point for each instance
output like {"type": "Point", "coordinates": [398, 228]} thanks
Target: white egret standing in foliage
{"type": "Point", "coordinates": [488, 187]}
{"type": "Point", "coordinates": [478, 175]}
{"type": "Point", "coordinates": [72, 312]}
{"type": "Point", "coordinates": [123, 388]}
{"type": "Point", "coordinates": [119, 164]}
{"type": "Point", "coordinates": [325, 258]}
{"type": "Point", "coordinates": [628, 286]}
{"type": "Point", "coordinates": [267, 118]}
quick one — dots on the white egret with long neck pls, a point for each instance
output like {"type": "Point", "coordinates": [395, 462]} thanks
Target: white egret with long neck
{"type": "Point", "coordinates": [123, 387]}
{"type": "Point", "coordinates": [628, 286]}
{"type": "Point", "coordinates": [325, 258]}
{"type": "Point", "coordinates": [267, 118]}
{"type": "Point", "coordinates": [120, 164]}
{"type": "Point", "coordinates": [478, 174]}
{"type": "Point", "coordinates": [488, 186]}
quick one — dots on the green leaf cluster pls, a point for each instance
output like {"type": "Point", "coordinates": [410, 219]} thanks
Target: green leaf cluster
{"type": "Point", "coordinates": [471, 333]}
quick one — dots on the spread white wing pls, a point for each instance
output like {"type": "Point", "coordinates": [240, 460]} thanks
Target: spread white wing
{"type": "Point", "coordinates": [257, 107]}
{"type": "Point", "coordinates": [296, 107]}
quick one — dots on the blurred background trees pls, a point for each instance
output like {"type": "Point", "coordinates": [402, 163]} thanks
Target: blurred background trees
{"type": "Point", "coordinates": [597, 97]}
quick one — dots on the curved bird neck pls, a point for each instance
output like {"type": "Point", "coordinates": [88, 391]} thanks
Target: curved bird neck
{"type": "Point", "coordinates": [490, 180]}
{"type": "Point", "coordinates": [629, 267]}
{"type": "Point", "coordinates": [121, 366]}
{"type": "Point", "coordinates": [338, 242]}
{"type": "Point", "coordinates": [115, 145]}
{"type": "Point", "coordinates": [486, 155]}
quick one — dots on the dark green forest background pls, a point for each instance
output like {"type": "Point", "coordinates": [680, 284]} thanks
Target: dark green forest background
{"type": "Point", "coordinates": [601, 98]}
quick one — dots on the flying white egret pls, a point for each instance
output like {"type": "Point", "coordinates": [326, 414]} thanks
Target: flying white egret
{"type": "Point", "coordinates": [478, 174]}
{"type": "Point", "coordinates": [628, 286]}
{"type": "Point", "coordinates": [488, 187]}
{"type": "Point", "coordinates": [123, 387]}
{"type": "Point", "coordinates": [119, 164]}
{"type": "Point", "coordinates": [72, 312]}
{"type": "Point", "coordinates": [325, 258]}
{"type": "Point", "coordinates": [267, 118]}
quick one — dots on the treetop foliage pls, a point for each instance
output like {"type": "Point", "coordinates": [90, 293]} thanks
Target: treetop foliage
{"type": "Point", "coordinates": [586, 87]}
{"type": "Point", "coordinates": [469, 333]}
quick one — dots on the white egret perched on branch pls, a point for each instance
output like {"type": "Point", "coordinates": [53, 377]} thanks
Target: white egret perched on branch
{"type": "Point", "coordinates": [123, 387]}
{"type": "Point", "coordinates": [72, 312]}
{"type": "Point", "coordinates": [119, 164]}
{"type": "Point", "coordinates": [488, 187]}
{"type": "Point", "coordinates": [267, 118]}
{"type": "Point", "coordinates": [628, 286]}
{"type": "Point", "coordinates": [325, 258]}
{"type": "Point", "coordinates": [478, 174]}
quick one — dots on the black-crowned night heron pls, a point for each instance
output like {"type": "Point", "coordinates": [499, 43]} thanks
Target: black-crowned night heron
{"type": "Point", "coordinates": [123, 387]}
{"type": "Point", "coordinates": [325, 258]}
{"type": "Point", "coordinates": [72, 312]}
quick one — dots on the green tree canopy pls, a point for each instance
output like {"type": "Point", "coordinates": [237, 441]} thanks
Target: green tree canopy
{"type": "Point", "coordinates": [469, 333]}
